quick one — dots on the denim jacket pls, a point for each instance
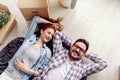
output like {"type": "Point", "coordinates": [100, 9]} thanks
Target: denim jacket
{"type": "Point", "coordinates": [30, 39]}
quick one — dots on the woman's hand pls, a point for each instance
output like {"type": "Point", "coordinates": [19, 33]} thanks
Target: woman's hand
{"type": "Point", "coordinates": [58, 26]}
{"type": "Point", "coordinates": [21, 65]}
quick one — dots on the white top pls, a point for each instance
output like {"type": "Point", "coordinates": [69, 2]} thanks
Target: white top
{"type": "Point", "coordinates": [59, 73]}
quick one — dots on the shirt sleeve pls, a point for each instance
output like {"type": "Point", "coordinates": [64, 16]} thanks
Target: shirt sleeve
{"type": "Point", "coordinates": [58, 38]}
{"type": "Point", "coordinates": [97, 65]}
{"type": "Point", "coordinates": [44, 60]}
{"type": "Point", "coordinates": [32, 26]}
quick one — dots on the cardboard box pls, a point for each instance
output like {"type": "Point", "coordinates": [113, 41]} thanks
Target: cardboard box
{"type": "Point", "coordinates": [5, 30]}
{"type": "Point", "coordinates": [30, 8]}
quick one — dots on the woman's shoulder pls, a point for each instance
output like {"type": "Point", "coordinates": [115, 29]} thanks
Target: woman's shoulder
{"type": "Point", "coordinates": [31, 38]}
{"type": "Point", "coordinates": [48, 50]}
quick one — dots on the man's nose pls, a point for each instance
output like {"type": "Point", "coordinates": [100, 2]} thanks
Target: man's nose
{"type": "Point", "coordinates": [77, 49]}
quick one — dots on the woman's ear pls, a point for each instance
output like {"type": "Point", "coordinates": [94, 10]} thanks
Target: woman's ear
{"type": "Point", "coordinates": [41, 31]}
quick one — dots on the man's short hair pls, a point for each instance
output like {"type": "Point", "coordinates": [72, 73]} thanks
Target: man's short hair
{"type": "Point", "coordinates": [84, 41]}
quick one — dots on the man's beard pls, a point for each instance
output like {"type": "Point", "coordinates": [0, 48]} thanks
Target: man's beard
{"type": "Point", "coordinates": [72, 57]}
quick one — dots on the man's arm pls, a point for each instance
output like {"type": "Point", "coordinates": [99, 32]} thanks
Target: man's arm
{"type": "Point", "coordinates": [97, 65]}
{"type": "Point", "coordinates": [58, 38]}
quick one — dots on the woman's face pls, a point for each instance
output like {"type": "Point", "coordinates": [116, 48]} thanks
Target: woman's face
{"type": "Point", "coordinates": [47, 34]}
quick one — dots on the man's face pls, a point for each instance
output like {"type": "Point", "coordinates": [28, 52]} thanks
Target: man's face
{"type": "Point", "coordinates": [77, 51]}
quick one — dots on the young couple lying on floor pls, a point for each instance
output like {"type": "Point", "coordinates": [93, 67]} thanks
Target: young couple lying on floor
{"type": "Point", "coordinates": [60, 60]}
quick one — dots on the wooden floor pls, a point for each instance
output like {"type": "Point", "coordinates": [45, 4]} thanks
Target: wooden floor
{"type": "Point", "coordinates": [98, 21]}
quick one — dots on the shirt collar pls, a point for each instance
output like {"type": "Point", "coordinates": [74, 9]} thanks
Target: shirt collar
{"type": "Point", "coordinates": [75, 62]}
{"type": "Point", "coordinates": [44, 45]}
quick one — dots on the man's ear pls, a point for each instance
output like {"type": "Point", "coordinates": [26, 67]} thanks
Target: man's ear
{"type": "Point", "coordinates": [86, 54]}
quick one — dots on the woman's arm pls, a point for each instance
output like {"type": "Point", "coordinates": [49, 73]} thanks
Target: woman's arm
{"type": "Point", "coordinates": [21, 65]}
{"type": "Point", "coordinates": [33, 25]}
{"type": "Point", "coordinates": [44, 20]}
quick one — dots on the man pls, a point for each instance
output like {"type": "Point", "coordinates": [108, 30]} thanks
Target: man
{"type": "Point", "coordinates": [67, 64]}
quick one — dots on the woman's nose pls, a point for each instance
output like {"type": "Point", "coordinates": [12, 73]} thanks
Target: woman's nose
{"type": "Point", "coordinates": [50, 37]}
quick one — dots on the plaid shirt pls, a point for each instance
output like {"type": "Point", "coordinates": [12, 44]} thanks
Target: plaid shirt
{"type": "Point", "coordinates": [78, 69]}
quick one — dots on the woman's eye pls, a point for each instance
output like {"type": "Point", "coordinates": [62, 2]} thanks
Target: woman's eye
{"type": "Point", "coordinates": [49, 33]}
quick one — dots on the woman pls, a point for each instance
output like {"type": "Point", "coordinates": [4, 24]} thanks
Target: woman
{"type": "Point", "coordinates": [33, 55]}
